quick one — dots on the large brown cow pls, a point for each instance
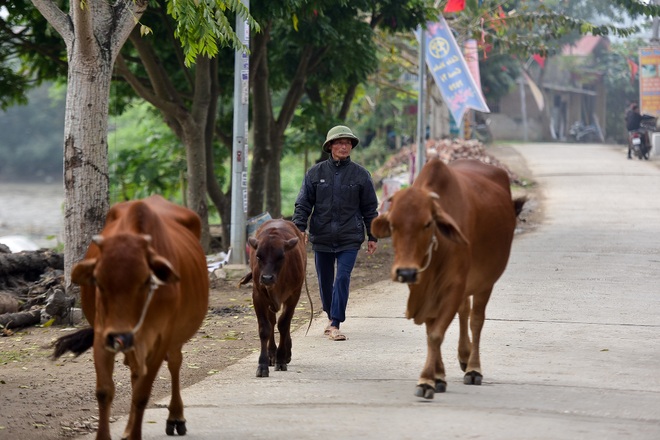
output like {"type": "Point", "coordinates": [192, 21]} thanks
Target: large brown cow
{"type": "Point", "coordinates": [451, 232]}
{"type": "Point", "coordinates": [278, 262]}
{"type": "Point", "coordinates": [144, 291]}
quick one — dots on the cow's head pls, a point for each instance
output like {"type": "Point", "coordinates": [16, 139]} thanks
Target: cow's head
{"type": "Point", "coordinates": [418, 226]}
{"type": "Point", "coordinates": [125, 272]}
{"type": "Point", "coordinates": [268, 257]}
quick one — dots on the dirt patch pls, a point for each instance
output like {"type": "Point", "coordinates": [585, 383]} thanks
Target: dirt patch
{"type": "Point", "coordinates": [45, 400]}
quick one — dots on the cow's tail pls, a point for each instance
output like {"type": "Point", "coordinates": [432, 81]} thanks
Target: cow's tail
{"type": "Point", "coordinates": [518, 205]}
{"type": "Point", "coordinates": [77, 343]}
{"type": "Point", "coordinates": [246, 279]}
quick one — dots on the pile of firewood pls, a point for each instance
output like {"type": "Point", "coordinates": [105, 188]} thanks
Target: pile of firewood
{"type": "Point", "coordinates": [32, 289]}
{"type": "Point", "coordinates": [446, 150]}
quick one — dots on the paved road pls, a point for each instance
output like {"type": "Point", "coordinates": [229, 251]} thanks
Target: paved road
{"type": "Point", "coordinates": [571, 347]}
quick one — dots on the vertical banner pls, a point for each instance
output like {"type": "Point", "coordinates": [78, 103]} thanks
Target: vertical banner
{"type": "Point", "coordinates": [649, 81]}
{"type": "Point", "coordinates": [450, 71]}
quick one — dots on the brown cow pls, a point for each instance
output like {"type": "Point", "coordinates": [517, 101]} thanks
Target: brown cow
{"type": "Point", "coordinates": [451, 232]}
{"type": "Point", "coordinates": [144, 290]}
{"type": "Point", "coordinates": [278, 263]}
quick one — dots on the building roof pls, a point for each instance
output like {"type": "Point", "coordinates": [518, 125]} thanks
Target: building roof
{"type": "Point", "coordinates": [586, 46]}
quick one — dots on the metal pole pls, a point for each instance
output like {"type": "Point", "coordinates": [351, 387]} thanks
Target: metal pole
{"type": "Point", "coordinates": [523, 107]}
{"type": "Point", "coordinates": [420, 157]}
{"type": "Point", "coordinates": [240, 144]}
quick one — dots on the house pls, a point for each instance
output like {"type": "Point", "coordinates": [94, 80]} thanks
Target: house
{"type": "Point", "coordinates": [572, 90]}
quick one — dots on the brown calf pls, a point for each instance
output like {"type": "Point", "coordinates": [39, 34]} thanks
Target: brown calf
{"type": "Point", "coordinates": [144, 290]}
{"type": "Point", "coordinates": [278, 263]}
{"type": "Point", "coordinates": [451, 232]}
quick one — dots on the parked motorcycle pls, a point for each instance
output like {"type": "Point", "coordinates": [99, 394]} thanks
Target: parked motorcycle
{"type": "Point", "coordinates": [639, 140]}
{"type": "Point", "coordinates": [583, 133]}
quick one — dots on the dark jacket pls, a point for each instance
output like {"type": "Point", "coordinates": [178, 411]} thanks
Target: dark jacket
{"type": "Point", "coordinates": [633, 120]}
{"type": "Point", "coordinates": [342, 202]}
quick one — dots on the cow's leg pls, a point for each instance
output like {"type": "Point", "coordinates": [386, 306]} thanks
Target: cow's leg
{"type": "Point", "coordinates": [272, 345]}
{"type": "Point", "coordinates": [175, 419]}
{"type": "Point", "coordinates": [433, 378]}
{"type": "Point", "coordinates": [284, 326]}
{"type": "Point", "coordinates": [427, 379]}
{"type": "Point", "coordinates": [142, 383]}
{"type": "Point", "coordinates": [473, 374]}
{"type": "Point", "coordinates": [464, 345]}
{"type": "Point", "coordinates": [104, 362]}
{"type": "Point", "coordinates": [265, 330]}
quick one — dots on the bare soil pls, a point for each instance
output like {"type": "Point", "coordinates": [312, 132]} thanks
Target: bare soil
{"type": "Point", "coordinates": [42, 399]}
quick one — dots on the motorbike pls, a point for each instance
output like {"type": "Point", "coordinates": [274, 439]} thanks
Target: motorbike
{"type": "Point", "coordinates": [583, 133]}
{"type": "Point", "coordinates": [638, 140]}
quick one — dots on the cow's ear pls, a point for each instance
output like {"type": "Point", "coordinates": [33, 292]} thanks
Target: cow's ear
{"type": "Point", "coordinates": [163, 270]}
{"type": "Point", "coordinates": [380, 226]}
{"type": "Point", "coordinates": [447, 226]}
{"type": "Point", "coordinates": [83, 272]}
{"type": "Point", "coordinates": [290, 244]}
{"type": "Point", "coordinates": [253, 242]}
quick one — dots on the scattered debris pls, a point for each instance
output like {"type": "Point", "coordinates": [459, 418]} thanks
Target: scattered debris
{"type": "Point", "coordinates": [446, 150]}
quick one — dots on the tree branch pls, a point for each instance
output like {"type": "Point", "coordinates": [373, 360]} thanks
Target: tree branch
{"type": "Point", "coordinates": [56, 18]}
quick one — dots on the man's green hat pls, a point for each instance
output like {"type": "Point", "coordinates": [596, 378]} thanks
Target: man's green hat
{"type": "Point", "coordinates": [339, 132]}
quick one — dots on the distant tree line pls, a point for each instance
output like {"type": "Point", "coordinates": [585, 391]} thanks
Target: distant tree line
{"type": "Point", "coordinates": [31, 137]}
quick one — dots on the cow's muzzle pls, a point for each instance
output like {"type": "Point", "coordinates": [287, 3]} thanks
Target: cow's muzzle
{"type": "Point", "coordinates": [406, 275]}
{"type": "Point", "coordinates": [119, 342]}
{"type": "Point", "coordinates": [267, 280]}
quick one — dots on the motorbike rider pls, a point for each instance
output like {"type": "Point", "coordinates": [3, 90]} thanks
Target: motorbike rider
{"type": "Point", "coordinates": [633, 123]}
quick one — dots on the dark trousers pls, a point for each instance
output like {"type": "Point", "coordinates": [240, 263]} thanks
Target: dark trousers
{"type": "Point", "coordinates": [334, 290]}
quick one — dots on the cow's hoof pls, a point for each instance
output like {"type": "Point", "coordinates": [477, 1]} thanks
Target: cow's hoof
{"type": "Point", "coordinates": [440, 386]}
{"type": "Point", "coordinates": [280, 367]}
{"type": "Point", "coordinates": [425, 391]}
{"type": "Point", "coordinates": [178, 425]}
{"type": "Point", "coordinates": [472, 378]}
{"type": "Point", "coordinates": [262, 371]}
{"type": "Point", "coordinates": [463, 366]}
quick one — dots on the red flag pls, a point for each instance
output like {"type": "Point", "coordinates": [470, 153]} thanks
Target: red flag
{"type": "Point", "coordinates": [633, 70]}
{"type": "Point", "coordinates": [539, 59]}
{"type": "Point", "coordinates": [455, 6]}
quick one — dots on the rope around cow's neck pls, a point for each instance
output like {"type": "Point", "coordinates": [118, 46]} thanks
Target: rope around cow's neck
{"type": "Point", "coordinates": [429, 253]}
{"type": "Point", "coordinates": [155, 282]}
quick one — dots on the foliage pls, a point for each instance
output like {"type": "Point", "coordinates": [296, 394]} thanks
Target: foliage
{"type": "Point", "coordinates": [202, 26]}
{"type": "Point", "coordinates": [621, 88]}
{"type": "Point", "coordinates": [147, 158]}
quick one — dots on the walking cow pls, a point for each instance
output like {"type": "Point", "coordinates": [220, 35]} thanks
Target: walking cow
{"type": "Point", "coordinates": [144, 290]}
{"type": "Point", "coordinates": [451, 232]}
{"type": "Point", "coordinates": [278, 262]}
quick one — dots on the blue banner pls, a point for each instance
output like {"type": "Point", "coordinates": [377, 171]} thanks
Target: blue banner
{"type": "Point", "coordinates": [450, 71]}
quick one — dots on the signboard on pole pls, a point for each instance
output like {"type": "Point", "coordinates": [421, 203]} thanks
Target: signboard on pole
{"type": "Point", "coordinates": [450, 71]}
{"type": "Point", "coordinates": [649, 80]}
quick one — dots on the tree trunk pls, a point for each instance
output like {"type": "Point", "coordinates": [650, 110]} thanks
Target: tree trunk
{"type": "Point", "coordinates": [94, 31]}
{"type": "Point", "coordinates": [86, 186]}
{"type": "Point", "coordinates": [194, 128]}
{"type": "Point", "coordinates": [261, 122]}
{"type": "Point", "coordinates": [218, 198]}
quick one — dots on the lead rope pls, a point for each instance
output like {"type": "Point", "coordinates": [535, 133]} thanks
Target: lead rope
{"type": "Point", "coordinates": [155, 282]}
{"type": "Point", "coordinates": [429, 253]}
{"type": "Point", "coordinates": [311, 304]}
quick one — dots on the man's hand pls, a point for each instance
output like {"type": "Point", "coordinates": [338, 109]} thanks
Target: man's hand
{"type": "Point", "coordinates": [371, 247]}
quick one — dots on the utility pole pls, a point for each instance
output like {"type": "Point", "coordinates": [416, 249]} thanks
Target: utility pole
{"type": "Point", "coordinates": [240, 143]}
{"type": "Point", "coordinates": [420, 157]}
